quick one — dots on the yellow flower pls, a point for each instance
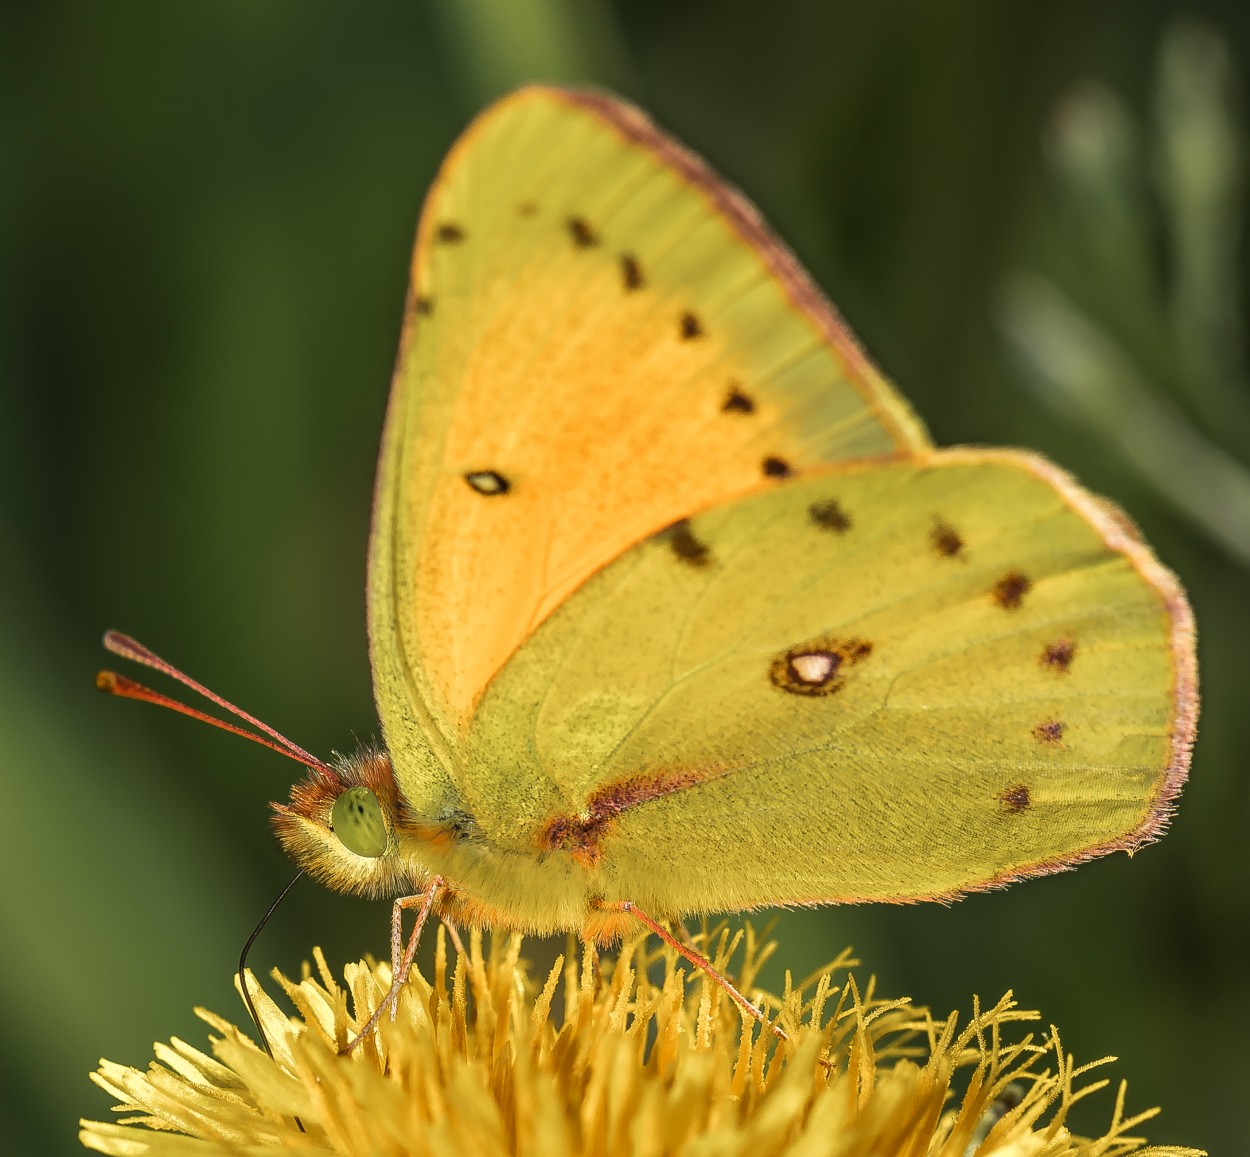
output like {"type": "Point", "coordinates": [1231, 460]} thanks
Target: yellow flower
{"type": "Point", "coordinates": [619, 1060]}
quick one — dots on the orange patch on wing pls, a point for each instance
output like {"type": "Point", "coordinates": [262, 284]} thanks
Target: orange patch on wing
{"type": "Point", "coordinates": [580, 835]}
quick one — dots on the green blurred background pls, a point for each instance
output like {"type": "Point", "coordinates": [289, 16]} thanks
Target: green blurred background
{"type": "Point", "coordinates": [1031, 213]}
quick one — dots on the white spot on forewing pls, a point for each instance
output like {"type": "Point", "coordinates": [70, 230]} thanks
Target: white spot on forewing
{"type": "Point", "coordinates": [814, 667]}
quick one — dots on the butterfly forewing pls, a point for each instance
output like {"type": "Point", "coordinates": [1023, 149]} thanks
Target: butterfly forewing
{"type": "Point", "coordinates": [601, 339]}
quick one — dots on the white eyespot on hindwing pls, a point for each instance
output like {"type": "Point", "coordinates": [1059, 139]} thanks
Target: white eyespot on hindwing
{"type": "Point", "coordinates": [818, 667]}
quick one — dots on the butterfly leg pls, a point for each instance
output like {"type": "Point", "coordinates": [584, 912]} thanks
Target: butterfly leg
{"type": "Point", "coordinates": [401, 962]}
{"type": "Point", "coordinates": [454, 933]}
{"type": "Point", "coordinates": [701, 962]}
{"type": "Point", "coordinates": [683, 933]}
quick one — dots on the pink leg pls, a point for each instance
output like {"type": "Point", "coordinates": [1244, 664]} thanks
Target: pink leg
{"type": "Point", "coordinates": [456, 942]}
{"type": "Point", "coordinates": [401, 965]}
{"type": "Point", "coordinates": [702, 963]}
{"type": "Point", "coordinates": [397, 935]}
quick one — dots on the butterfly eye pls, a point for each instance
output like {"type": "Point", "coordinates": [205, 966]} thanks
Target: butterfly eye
{"type": "Point", "coordinates": [358, 822]}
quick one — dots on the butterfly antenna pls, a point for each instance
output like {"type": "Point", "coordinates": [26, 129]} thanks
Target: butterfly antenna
{"type": "Point", "coordinates": [119, 685]}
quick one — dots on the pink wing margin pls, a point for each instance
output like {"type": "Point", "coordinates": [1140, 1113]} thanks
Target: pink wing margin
{"type": "Point", "coordinates": [637, 127]}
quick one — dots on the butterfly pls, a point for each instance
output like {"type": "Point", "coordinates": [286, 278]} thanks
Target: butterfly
{"type": "Point", "coordinates": [674, 608]}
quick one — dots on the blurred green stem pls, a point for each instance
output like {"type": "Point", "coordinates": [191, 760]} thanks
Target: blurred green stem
{"type": "Point", "coordinates": [500, 44]}
{"type": "Point", "coordinates": [1079, 370]}
{"type": "Point", "coordinates": [1153, 359]}
{"type": "Point", "coordinates": [1199, 162]}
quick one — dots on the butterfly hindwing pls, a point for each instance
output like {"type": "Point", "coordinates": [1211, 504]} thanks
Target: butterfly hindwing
{"type": "Point", "coordinates": [878, 682]}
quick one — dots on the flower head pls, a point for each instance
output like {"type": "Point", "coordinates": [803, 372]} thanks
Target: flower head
{"type": "Point", "coordinates": [635, 1058]}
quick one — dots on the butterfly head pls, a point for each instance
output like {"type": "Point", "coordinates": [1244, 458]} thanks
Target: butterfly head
{"type": "Point", "coordinates": [341, 826]}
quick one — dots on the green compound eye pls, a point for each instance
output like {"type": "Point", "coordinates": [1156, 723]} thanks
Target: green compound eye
{"type": "Point", "coordinates": [357, 821]}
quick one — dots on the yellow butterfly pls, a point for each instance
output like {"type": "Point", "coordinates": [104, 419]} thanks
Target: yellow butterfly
{"type": "Point", "coordinates": [673, 607]}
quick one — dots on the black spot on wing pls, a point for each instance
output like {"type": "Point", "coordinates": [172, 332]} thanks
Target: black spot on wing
{"type": "Point", "coordinates": [1010, 590]}
{"type": "Point", "coordinates": [1058, 656]}
{"type": "Point", "coordinates": [686, 546]}
{"type": "Point", "coordinates": [737, 402]}
{"type": "Point", "coordinates": [946, 540]}
{"type": "Point", "coordinates": [775, 467]}
{"type": "Point", "coordinates": [829, 515]}
{"type": "Point", "coordinates": [488, 482]}
{"type": "Point", "coordinates": [631, 273]}
{"type": "Point", "coordinates": [1016, 798]}
{"type": "Point", "coordinates": [449, 233]}
{"type": "Point", "coordinates": [689, 327]}
{"type": "Point", "coordinates": [1050, 732]}
{"type": "Point", "coordinates": [584, 237]}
